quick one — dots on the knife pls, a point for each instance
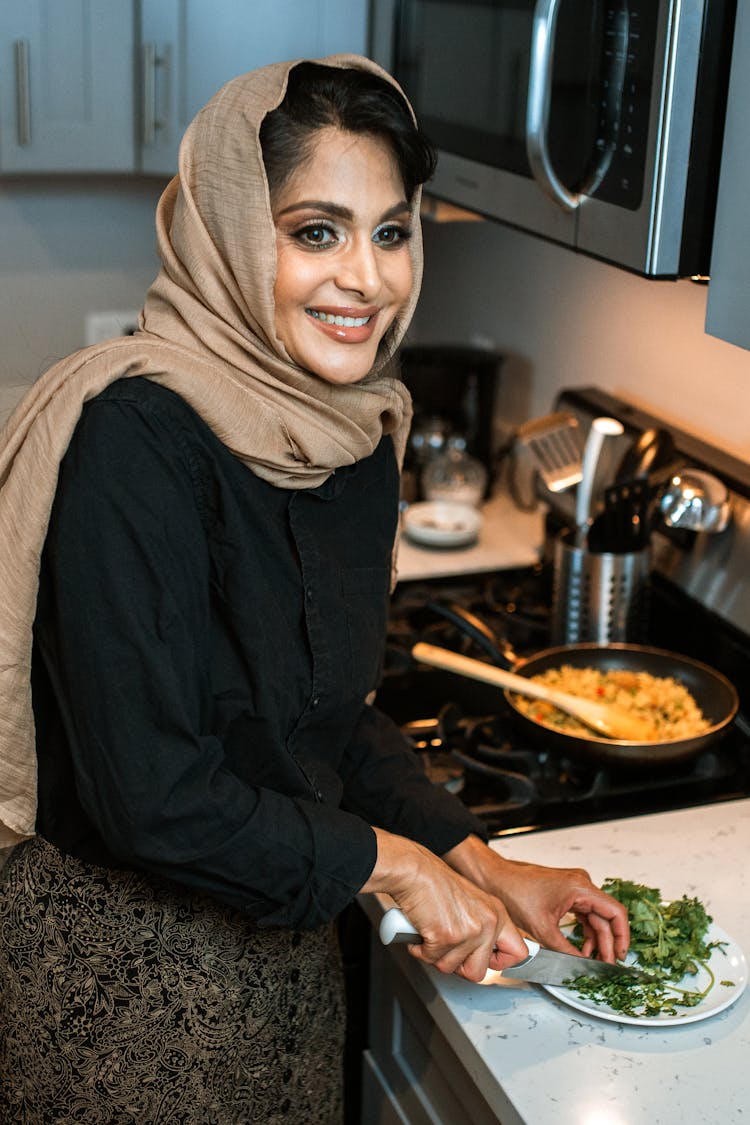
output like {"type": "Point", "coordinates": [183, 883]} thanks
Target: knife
{"type": "Point", "coordinates": [542, 966]}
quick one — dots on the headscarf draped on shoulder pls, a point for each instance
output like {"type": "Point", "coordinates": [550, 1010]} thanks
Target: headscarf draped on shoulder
{"type": "Point", "coordinates": [207, 333]}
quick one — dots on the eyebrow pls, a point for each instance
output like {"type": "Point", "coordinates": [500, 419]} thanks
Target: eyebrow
{"type": "Point", "coordinates": [337, 210]}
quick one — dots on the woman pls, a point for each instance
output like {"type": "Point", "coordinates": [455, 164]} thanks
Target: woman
{"type": "Point", "coordinates": [213, 786]}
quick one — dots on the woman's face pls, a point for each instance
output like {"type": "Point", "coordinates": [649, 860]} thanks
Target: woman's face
{"type": "Point", "coordinates": [343, 266]}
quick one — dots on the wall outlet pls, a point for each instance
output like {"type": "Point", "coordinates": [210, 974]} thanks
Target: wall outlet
{"type": "Point", "coordinates": [106, 325]}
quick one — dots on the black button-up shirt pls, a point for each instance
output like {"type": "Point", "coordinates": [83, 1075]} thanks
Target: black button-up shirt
{"type": "Point", "coordinates": [204, 644]}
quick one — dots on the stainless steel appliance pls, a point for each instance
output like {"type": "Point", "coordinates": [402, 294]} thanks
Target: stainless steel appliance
{"type": "Point", "coordinates": [594, 123]}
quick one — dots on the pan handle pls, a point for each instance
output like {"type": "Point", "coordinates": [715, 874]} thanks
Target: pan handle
{"type": "Point", "coordinates": [479, 631]}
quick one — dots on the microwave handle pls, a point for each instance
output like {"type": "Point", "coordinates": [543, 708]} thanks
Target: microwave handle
{"type": "Point", "coordinates": [537, 105]}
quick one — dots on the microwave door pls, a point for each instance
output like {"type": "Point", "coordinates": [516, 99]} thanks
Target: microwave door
{"type": "Point", "coordinates": [639, 214]}
{"type": "Point", "coordinates": [466, 66]}
{"type": "Point", "coordinates": [501, 195]}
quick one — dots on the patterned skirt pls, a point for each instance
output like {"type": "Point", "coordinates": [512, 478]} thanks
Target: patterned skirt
{"type": "Point", "coordinates": [127, 1000]}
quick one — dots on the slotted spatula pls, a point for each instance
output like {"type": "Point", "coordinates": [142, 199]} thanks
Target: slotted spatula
{"type": "Point", "coordinates": [555, 442]}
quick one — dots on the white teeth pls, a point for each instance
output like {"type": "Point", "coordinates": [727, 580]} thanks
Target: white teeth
{"type": "Point", "coordinates": [341, 321]}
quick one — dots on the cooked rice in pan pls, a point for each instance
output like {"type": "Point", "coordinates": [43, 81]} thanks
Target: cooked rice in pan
{"type": "Point", "coordinates": [661, 699]}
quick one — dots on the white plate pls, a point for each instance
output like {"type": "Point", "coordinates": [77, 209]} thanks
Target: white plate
{"type": "Point", "coordinates": [440, 523]}
{"type": "Point", "coordinates": [727, 963]}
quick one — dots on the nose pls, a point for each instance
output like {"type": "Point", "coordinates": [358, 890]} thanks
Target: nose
{"type": "Point", "coordinates": [358, 268]}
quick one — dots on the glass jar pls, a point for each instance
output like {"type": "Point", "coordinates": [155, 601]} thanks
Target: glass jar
{"type": "Point", "coordinates": [455, 475]}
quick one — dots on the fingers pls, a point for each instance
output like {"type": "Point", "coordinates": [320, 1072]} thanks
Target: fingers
{"type": "Point", "coordinates": [510, 948]}
{"type": "Point", "coordinates": [538, 898]}
{"type": "Point", "coordinates": [479, 947]}
{"type": "Point", "coordinates": [608, 937]}
{"type": "Point", "coordinates": [605, 925]}
{"type": "Point", "coordinates": [464, 930]}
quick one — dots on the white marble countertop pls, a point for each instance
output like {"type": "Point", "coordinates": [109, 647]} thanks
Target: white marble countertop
{"type": "Point", "coordinates": [538, 1061]}
{"type": "Point", "coordinates": [508, 538]}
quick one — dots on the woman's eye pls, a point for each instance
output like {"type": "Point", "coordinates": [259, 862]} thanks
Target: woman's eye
{"type": "Point", "coordinates": [315, 235]}
{"type": "Point", "coordinates": [391, 235]}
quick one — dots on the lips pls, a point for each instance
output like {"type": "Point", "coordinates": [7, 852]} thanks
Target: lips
{"type": "Point", "coordinates": [348, 326]}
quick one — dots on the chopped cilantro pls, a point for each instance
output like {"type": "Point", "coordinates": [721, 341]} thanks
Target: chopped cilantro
{"type": "Point", "coordinates": [669, 942]}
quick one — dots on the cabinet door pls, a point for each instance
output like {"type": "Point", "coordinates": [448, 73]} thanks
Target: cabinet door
{"type": "Point", "coordinates": [66, 86]}
{"type": "Point", "coordinates": [190, 48]}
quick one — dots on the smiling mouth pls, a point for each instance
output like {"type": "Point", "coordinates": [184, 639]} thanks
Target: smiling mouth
{"type": "Point", "coordinates": [339, 321]}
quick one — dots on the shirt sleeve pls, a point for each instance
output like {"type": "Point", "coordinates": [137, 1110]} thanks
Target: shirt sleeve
{"type": "Point", "coordinates": [384, 784]}
{"type": "Point", "coordinates": [126, 638]}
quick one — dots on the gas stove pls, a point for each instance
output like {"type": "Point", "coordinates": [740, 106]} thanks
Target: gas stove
{"type": "Point", "coordinates": [467, 736]}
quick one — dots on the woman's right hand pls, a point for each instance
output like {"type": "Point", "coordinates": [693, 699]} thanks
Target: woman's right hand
{"type": "Point", "coordinates": [464, 929]}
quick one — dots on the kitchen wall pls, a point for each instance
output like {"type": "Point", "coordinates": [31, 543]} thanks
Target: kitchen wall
{"type": "Point", "coordinates": [68, 247]}
{"type": "Point", "coordinates": [566, 320]}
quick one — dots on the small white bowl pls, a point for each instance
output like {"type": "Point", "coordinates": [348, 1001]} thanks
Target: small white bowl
{"type": "Point", "coordinates": [439, 523]}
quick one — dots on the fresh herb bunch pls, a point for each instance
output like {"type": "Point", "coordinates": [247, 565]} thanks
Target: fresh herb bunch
{"type": "Point", "coordinates": [664, 935]}
{"type": "Point", "coordinates": [669, 940]}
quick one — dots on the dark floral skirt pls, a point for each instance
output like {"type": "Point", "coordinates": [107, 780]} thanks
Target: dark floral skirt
{"type": "Point", "coordinates": [127, 1000]}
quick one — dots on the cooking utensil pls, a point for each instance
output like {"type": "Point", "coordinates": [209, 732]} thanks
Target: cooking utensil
{"type": "Point", "coordinates": [695, 500]}
{"type": "Point", "coordinates": [624, 525]}
{"type": "Point", "coordinates": [714, 694]}
{"type": "Point", "coordinates": [601, 428]}
{"type": "Point", "coordinates": [542, 966]}
{"type": "Point", "coordinates": [652, 450]}
{"type": "Point", "coordinates": [555, 442]}
{"type": "Point", "coordinates": [604, 718]}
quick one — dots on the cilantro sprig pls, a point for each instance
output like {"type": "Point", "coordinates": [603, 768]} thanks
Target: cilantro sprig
{"type": "Point", "coordinates": [669, 940]}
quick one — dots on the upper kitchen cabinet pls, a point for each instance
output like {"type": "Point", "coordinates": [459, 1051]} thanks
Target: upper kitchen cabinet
{"type": "Point", "coordinates": [189, 48]}
{"type": "Point", "coordinates": [728, 309]}
{"type": "Point", "coordinates": [67, 86]}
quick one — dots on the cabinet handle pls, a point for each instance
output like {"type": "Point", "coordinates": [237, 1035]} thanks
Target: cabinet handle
{"type": "Point", "coordinates": [23, 92]}
{"type": "Point", "coordinates": [152, 120]}
{"type": "Point", "coordinates": [149, 93]}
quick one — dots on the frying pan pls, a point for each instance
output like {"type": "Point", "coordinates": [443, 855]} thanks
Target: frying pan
{"type": "Point", "coordinates": [715, 695]}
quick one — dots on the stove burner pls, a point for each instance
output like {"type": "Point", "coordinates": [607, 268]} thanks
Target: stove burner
{"type": "Point", "coordinates": [512, 786]}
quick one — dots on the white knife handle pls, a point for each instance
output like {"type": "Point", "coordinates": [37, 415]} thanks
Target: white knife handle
{"type": "Point", "coordinates": [396, 927]}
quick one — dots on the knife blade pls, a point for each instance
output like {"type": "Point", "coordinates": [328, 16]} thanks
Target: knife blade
{"type": "Point", "coordinates": [542, 966]}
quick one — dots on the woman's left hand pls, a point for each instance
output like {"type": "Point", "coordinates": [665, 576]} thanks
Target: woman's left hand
{"type": "Point", "coordinates": [537, 899]}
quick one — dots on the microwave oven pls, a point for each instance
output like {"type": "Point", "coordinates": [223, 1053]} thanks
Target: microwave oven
{"type": "Point", "coordinates": [594, 123]}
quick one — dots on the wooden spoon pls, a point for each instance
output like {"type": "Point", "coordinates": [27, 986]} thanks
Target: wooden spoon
{"type": "Point", "coordinates": [604, 718]}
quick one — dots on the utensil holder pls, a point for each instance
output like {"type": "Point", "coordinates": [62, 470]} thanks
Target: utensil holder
{"type": "Point", "coordinates": [599, 597]}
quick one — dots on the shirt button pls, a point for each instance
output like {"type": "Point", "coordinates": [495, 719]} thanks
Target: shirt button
{"type": "Point", "coordinates": [309, 593]}
{"type": "Point", "coordinates": [316, 701]}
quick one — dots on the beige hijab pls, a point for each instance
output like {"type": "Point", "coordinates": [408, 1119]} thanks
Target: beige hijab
{"type": "Point", "coordinates": [207, 333]}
